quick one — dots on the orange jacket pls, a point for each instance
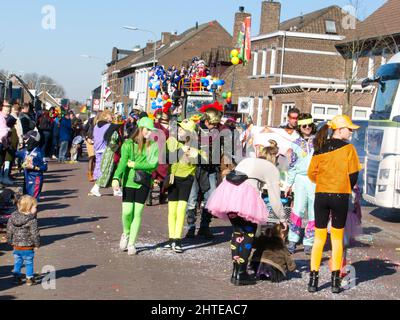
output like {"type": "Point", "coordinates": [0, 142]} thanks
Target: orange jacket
{"type": "Point", "coordinates": [331, 171]}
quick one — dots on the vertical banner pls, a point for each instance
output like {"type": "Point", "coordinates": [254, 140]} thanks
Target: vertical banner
{"type": "Point", "coordinates": [247, 45]}
{"type": "Point", "coordinates": [241, 41]}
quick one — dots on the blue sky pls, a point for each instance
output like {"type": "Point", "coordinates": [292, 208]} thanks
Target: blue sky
{"type": "Point", "coordinates": [94, 27]}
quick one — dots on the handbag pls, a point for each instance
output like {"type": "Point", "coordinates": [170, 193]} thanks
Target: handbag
{"type": "Point", "coordinates": [143, 178]}
{"type": "Point", "coordinates": [168, 182]}
{"type": "Point", "coordinates": [236, 178]}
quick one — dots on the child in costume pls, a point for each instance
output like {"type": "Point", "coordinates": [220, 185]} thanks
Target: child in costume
{"type": "Point", "coordinates": [301, 154]}
{"type": "Point", "coordinates": [139, 158]}
{"type": "Point", "coordinates": [334, 168]}
{"type": "Point", "coordinates": [180, 181]}
{"type": "Point", "coordinates": [34, 164]}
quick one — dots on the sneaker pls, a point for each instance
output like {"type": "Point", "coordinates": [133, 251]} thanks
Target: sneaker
{"type": "Point", "coordinates": [54, 158]}
{"type": "Point", "coordinates": [94, 193]}
{"type": "Point", "coordinates": [308, 250]}
{"type": "Point", "coordinates": [30, 282]}
{"type": "Point", "coordinates": [178, 247]}
{"type": "Point", "coordinates": [17, 280]}
{"type": "Point", "coordinates": [123, 244]}
{"type": "Point", "coordinates": [132, 251]}
{"type": "Point", "coordinates": [292, 247]}
{"type": "Point", "coordinates": [169, 245]}
{"type": "Point", "coordinates": [118, 193]}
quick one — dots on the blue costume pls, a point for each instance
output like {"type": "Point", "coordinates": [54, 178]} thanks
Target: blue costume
{"type": "Point", "coordinates": [304, 190]}
{"type": "Point", "coordinates": [33, 178]}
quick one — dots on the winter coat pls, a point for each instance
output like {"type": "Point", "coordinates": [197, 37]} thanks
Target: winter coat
{"type": "Point", "coordinates": [272, 251]}
{"type": "Point", "coordinates": [65, 130]}
{"type": "Point", "coordinates": [22, 230]}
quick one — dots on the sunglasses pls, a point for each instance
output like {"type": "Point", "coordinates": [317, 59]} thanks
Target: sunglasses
{"type": "Point", "coordinates": [306, 126]}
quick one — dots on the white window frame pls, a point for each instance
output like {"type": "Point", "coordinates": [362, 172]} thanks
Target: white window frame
{"type": "Point", "coordinates": [272, 69]}
{"type": "Point", "coordinates": [326, 27]}
{"type": "Point", "coordinates": [355, 65]}
{"type": "Point", "coordinates": [285, 109]}
{"type": "Point", "coordinates": [260, 111]}
{"type": "Point", "coordinates": [255, 63]}
{"type": "Point", "coordinates": [264, 63]}
{"type": "Point", "coordinates": [356, 108]}
{"type": "Point", "coordinates": [325, 116]}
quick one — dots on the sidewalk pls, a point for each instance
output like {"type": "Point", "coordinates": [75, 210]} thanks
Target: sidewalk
{"type": "Point", "coordinates": [80, 238]}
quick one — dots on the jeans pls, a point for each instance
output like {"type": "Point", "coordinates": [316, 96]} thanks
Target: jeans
{"type": "Point", "coordinates": [63, 150]}
{"type": "Point", "coordinates": [192, 203]}
{"type": "Point", "coordinates": [24, 258]}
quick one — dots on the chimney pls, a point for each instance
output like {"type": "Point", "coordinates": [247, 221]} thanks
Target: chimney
{"type": "Point", "coordinates": [240, 17]}
{"type": "Point", "coordinates": [149, 47]}
{"type": "Point", "coordinates": [270, 17]}
{"type": "Point", "coordinates": [166, 38]}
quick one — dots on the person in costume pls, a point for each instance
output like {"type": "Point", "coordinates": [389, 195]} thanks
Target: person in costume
{"type": "Point", "coordinates": [209, 136]}
{"type": "Point", "coordinates": [243, 206]}
{"type": "Point", "coordinates": [34, 164]}
{"type": "Point", "coordinates": [300, 156]}
{"type": "Point", "coordinates": [334, 168]}
{"type": "Point", "coordinates": [181, 178]}
{"type": "Point", "coordinates": [139, 156]}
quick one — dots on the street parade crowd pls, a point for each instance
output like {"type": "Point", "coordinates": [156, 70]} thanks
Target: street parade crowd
{"type": "Point", "coordinates": [279, 187]}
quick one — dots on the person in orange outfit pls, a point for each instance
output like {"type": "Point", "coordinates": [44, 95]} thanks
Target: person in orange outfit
{"type": "Point", "coordinates": [334, 169]}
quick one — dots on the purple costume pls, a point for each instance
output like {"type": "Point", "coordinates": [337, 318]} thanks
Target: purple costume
{"type": "Point", "coordinates": [100, 146]}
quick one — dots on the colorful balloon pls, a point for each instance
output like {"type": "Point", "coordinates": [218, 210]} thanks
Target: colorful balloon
{"type": "Point", "coordinates": [224, 95]}
{"type": "Point", "coordinates": [229, 95]}
{"type": "Point", "coordinates": [235, 61]}
{"type": "Point", "coordinates": [234, 53]}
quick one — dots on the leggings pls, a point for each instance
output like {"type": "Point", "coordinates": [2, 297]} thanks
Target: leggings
{"type": "Point", "coordinates": [178, 196]}
{"type": "Point", "coordinates": [132, 210]}
{"type": "Point", "coordinates": [335, 206]}
{"type": "Point", "coordinates": [242, 239]}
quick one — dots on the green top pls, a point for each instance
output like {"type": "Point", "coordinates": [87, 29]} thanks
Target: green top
{"type": "Point", "coordinates": [145, 161]}
{"type": "Point", "coordinates": [186, 165]}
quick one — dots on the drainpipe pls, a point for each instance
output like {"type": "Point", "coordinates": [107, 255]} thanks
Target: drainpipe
{"type": "Point", "coordinates": [283, 57]}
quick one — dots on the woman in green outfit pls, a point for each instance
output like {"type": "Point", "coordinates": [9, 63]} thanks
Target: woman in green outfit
{"type": "Point", "coordinates": [137, 153]}
{"type": "Point", "coordinates": [181, 180]}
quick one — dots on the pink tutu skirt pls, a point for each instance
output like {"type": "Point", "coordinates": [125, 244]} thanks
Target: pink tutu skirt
{"type": "Point", "coordinates": [244, 200]}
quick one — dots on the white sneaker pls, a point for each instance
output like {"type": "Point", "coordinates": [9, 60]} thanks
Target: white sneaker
{"type": "Point", "coordinates": [118, 193]}
{"type": "Point", "coordinates": [132, 251]}
{"type": "Point", "coordinates": [54, 158]}
{"type": "Point", "coordinates": [123, 245]}
{"type": "Point", "coordinates": [95, 193]}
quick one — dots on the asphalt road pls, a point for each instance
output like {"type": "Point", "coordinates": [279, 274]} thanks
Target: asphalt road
{"type": "Point", "coordinates": [80, 239]}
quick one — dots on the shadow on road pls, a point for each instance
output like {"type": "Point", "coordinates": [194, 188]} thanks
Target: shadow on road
{"type": "Point", "coordinates": [373, 269]}
{"type": "Point", "coordinates": [55, 222]}
{"type": "Point", "coordinates": [47, 240]}
{"type": "Point", "coordinates": [387, 215]}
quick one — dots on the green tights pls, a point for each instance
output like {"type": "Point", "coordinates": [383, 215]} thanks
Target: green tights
{"type": "Point", "coordinates": [132, 220]}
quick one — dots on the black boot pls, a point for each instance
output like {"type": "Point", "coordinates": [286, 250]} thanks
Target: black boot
{"type": "Point", "coordinates": [163, 198]}
{"type": "Point", "coordinates": [336, 282]}
{"type": "Point", "coordinates": [149, 201]}
{"type": "Point", "coordinates": [313, 285]}
{"type": "Point", "coordinates": [191, 234]}
{"type": "Point", "coordinates": [243, 278]}
{"type": "Point", "coordinates": [234, 272]}
{"type": "Point", "coordinates": [206, 233]}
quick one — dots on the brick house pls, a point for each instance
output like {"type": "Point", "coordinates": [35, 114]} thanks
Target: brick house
{"type": "Point", "coordinates": [128, 76]}
{"type": "Point", "coordinates": [295, 64]}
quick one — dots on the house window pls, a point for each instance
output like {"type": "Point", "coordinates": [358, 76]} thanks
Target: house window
{"type": "Point", "coordinates": [260, 112]}
{"type": "Point", "coordinates": [273, 62]}
{"type": "Point", "coordinates": [330, 26]}
{"type": "Point", "coordinates": [325, 112]}
{"type": "Point", "coordinates": [264, 63]}
{"type": "Point", "coordinates": [361, 113]}
{"type": "Point", "coordinates": [255, 63]}
{"type": "Point", "coordinates": [285, 109]}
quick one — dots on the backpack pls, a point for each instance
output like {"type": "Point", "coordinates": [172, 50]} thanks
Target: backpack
{"type": "Point", "coordinates": [44, 123]}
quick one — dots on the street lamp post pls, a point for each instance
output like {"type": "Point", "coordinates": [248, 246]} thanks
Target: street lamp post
{"type": "Point", "coordinates": [148, 31]}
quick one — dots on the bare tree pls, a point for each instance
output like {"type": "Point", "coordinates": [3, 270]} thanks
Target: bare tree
{"type": "Point", "coordinates": [44, 83]}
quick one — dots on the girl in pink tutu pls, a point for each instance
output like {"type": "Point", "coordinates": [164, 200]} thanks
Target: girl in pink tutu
{"type": "Point", "coordinates": [241, 203]}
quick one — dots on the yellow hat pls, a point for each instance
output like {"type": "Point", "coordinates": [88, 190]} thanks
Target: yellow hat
{"type": "Point", "coordinates": [340, 122]}
{"type": "Point", "coordinates": [188, 125]}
